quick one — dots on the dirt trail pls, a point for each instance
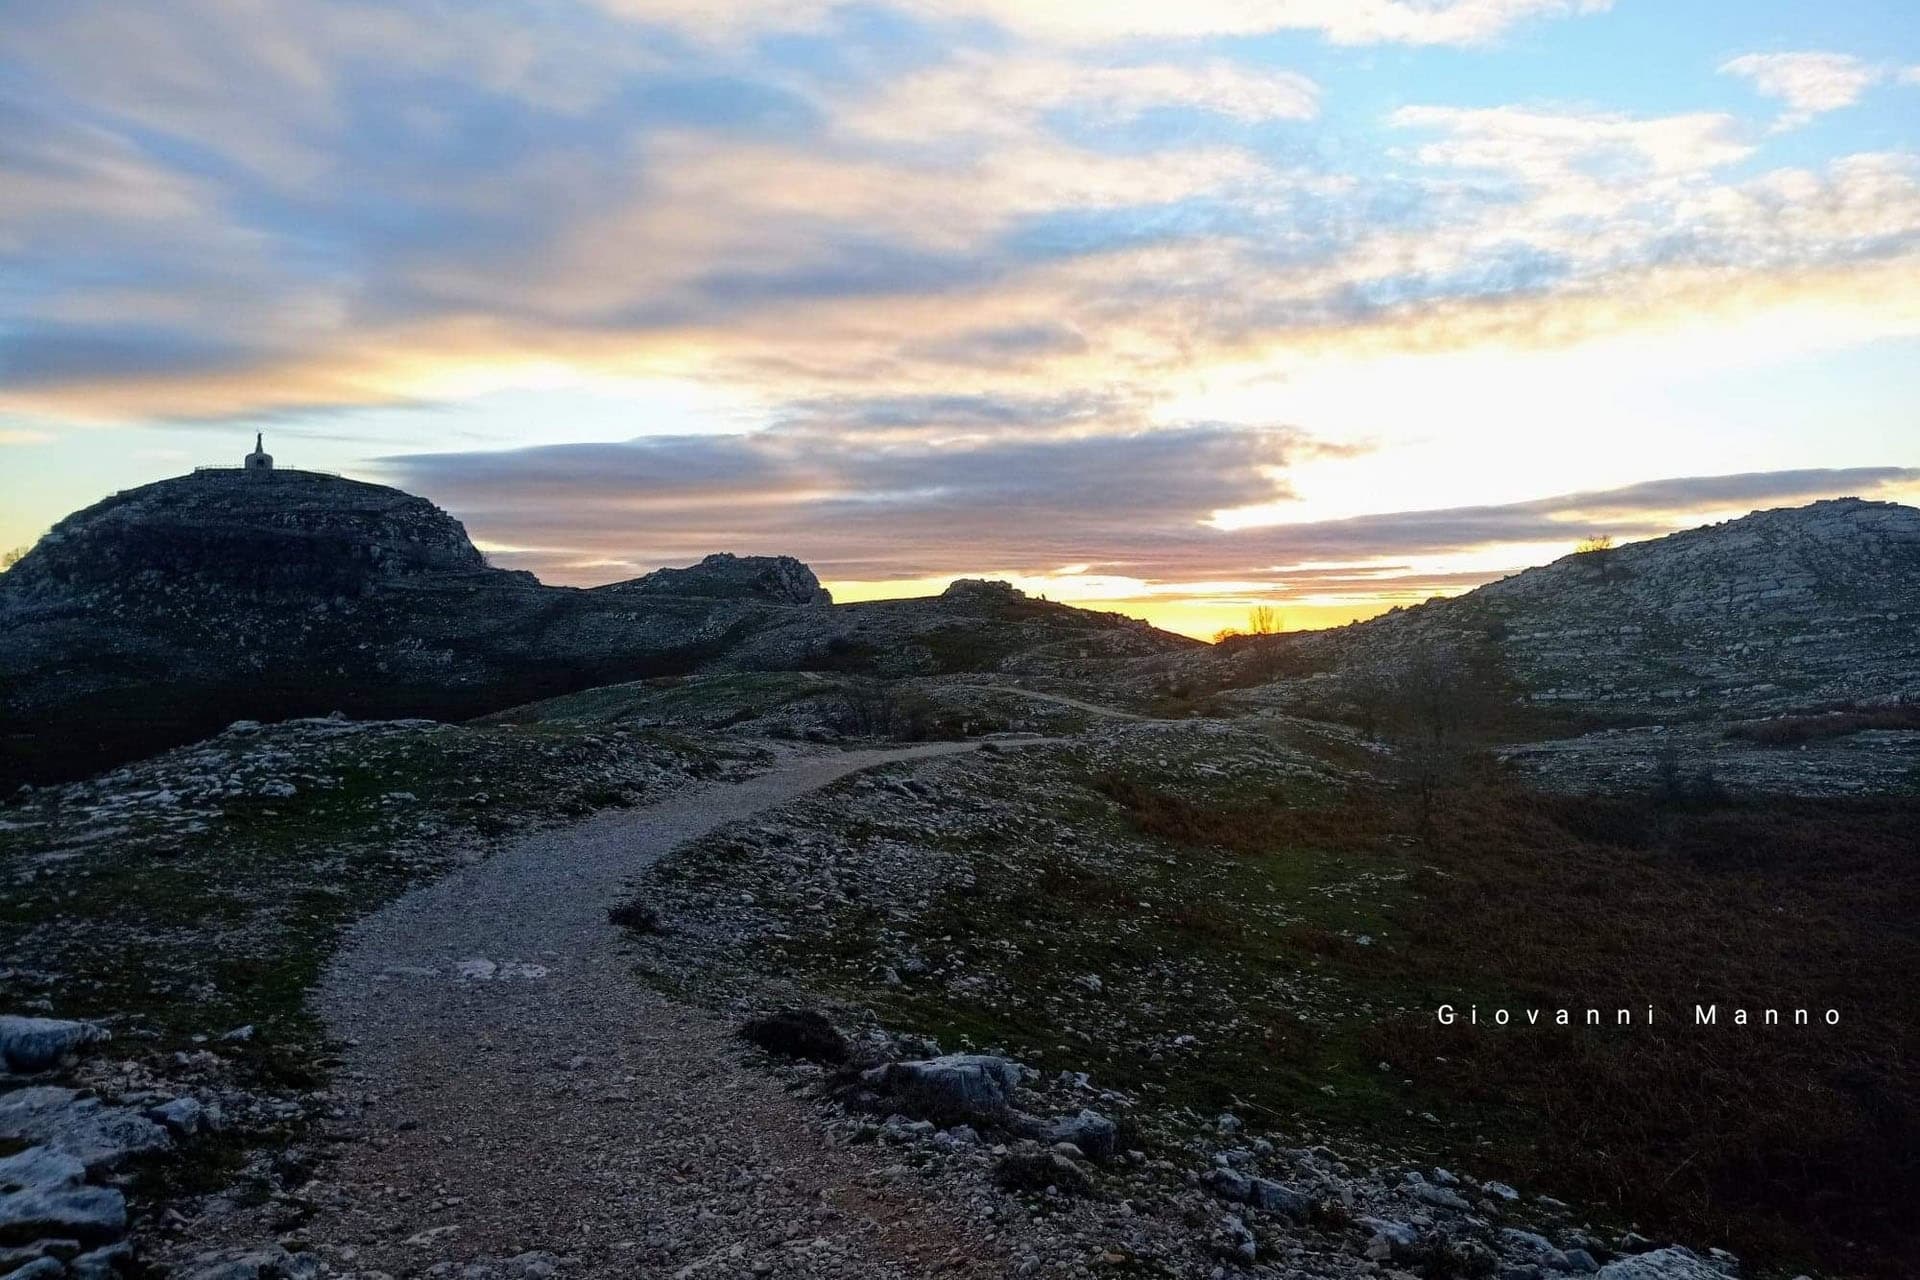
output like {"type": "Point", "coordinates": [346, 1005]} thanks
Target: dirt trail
{"type": "Point", "coordinates": [527, 1093]}
{"type": "Point", "coordinates": [1065, 700]}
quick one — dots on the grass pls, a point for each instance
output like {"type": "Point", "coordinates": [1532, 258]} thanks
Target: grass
{"type": "Point", "coordinates": [1303, 934]}
{"type": "Point", "coordinates": [1792, 730]}
{"type": "Point", "coordinates": [115, 909]}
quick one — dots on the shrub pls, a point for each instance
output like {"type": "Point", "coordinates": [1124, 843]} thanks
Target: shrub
{"type": "Point", "coordinates": [797, 1033]}
{"type": "Point", "coordinates": [635, 917]}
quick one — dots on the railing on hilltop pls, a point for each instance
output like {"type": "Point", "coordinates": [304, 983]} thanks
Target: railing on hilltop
{"type": "Point", "coordinates": [277, 471]}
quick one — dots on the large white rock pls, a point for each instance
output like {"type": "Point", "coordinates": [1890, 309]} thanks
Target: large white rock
{"type": "Point", "coordinates": [77, 1213]}
{"type": "Point", "coordinates": [99, 1136]}
{"type": "Point", "coordinates": [39, 1044]}
{"type": "Point", "coordinates": [1672, 1263]}
{"type": "Point", "coordinates": [40, 1167]}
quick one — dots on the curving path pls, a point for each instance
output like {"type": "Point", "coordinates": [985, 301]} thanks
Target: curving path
{"type": "Point", "coordinates": [522, 1091]}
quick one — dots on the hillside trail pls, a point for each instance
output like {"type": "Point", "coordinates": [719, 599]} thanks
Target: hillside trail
{"type": "Point", "coordinates": [522, 1090]}
{"type": "Point", "coordinates": [1065, 700]}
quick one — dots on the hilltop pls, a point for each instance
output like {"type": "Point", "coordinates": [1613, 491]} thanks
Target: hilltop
{"type": "Point", "coordinates": [1773, 611]}
{"type": "Point", "coordinates": [163, 613]}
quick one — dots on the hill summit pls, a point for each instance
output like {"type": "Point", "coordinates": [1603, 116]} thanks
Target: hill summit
{"type": "Point", "coordinates": [165, 612]}
{"type": "Point", "coordinates": [1777, 610]}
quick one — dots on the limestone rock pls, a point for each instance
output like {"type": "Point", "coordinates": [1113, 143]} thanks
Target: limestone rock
{"type": "Point", "coordinates": [38, 1044]}
{"type": "Point", "coordinates": [955, 1086]}
{"type": "Point", "coordinates": [1673, 1263]}
{"type": "Point", "coordinates": [99, 1136]}
{"type": "Point", "coordinates": [84, 1213]}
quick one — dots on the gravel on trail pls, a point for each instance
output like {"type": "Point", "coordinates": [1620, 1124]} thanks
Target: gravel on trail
{"type": "Point", "coordinates": [519, 1090]}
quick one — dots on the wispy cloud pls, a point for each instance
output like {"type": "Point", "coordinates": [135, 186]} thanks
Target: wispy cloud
{"type": "Point", "coordinates": [1809, 83]}
{"type": "Point", "coordinates": [1136, 504]}
{"type": "Point", "coordinates": [1448, 22]}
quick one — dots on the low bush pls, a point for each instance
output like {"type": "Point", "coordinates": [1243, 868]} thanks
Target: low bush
{"type": "Point", "coordinates": [635, 917]}
{"type": "Point", "coordinates": [797, 1033]}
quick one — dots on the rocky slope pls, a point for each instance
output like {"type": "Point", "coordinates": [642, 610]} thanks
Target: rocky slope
{"type": "Point", "coordinates": [1777, 611]}
{"type": "Point", "coordinates": [163, 613]}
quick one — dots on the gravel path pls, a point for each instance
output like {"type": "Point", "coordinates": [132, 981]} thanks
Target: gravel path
{"type": "Point", "coordinates": [521, 1091]}
{"type": "Point", "coordinates": [1065, 700]}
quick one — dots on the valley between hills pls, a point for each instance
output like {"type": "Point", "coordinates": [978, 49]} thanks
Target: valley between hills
{"type": "Point", "coordinates": [374, 912]}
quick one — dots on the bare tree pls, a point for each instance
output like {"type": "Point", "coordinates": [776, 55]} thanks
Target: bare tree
{"type": "Point", "coordinates": [1263, 620]}
{"type": "Point", "coordinates": [1599, 550]}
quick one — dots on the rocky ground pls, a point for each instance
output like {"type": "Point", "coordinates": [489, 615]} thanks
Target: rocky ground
{"type": "Point", "coordinates": [991, 900]}
{"type": "Point", "coordinates": [508, 1101]}
{"type": "Point", "coordinates": [162, 925]}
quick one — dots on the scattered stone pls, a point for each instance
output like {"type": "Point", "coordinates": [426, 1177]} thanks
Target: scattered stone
{"type": "Point", "coordinates": [1234, 1242]}
{"type": "Point", "coordinates": [272, 1263]}
{"type": "Point", "coordinates": [1037, 1172]}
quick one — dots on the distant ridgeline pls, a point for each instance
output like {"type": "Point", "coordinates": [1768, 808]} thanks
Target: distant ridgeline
{"type": "Point", "coordinates": [163, 613]}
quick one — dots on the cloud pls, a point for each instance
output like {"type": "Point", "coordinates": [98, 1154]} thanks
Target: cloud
{"type": "Point", "coordinates": [1119, 503]}
{"type": "Point", "coordinates": [1081, 22]}
{"type": "Point", "coordinates": [985, 95]}
{"type": "Point", "coordinates": [1810, 84]}
{"type": "Point", "coordinates": [1541, 146]}
{"type": "Point", "coordinates": [856, 508]}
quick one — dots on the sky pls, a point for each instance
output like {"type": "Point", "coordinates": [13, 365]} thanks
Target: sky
{"type": "Point", "coordinates": [1170, 308]}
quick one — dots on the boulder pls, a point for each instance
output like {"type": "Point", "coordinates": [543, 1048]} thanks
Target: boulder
{"type": "Point", "coordinates": [103, 1263]}
{"type": "Point", "coordinates": [99, 1136]}
{"type": "Point", "coordinates": [39, 1269]}
{"type": "Point", "coordinates": [1672, 1263]}
{"type": "Point", "coordinates": [82, 1213]}
{"type": "Point", "coordinates": [1440, 1197]}
{"type": "Point", "coordinates": [1264, 1193]}
{"type": "Point", "coordinates": [1090, 1131]}
{"type": "Point", "coordinates": [28, 1045]}
{"type": "Point", "coordinates": [40, 1167]}
{"type": "Point", "coordinates": [1532, 1247]}
{"type": "Point", "coordinates": [1228, 1184]}
{"type": "Point", "coordinates": [950, 1088]}
{"type": "Point", "coordinates": [272, 1263]}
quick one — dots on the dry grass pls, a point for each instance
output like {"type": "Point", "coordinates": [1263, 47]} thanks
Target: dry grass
{"type": "Point", "coordinates": [1801, 1143]}
{"type": "Point", "coordinates": [1788, 731]}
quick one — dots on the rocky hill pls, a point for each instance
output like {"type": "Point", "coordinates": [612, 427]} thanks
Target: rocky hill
{"type": "Point", "coordinates": [1782, 610]}
{"type": "Point", "coordinates": [166, 612]}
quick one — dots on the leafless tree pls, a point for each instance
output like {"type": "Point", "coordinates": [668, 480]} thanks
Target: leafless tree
{"type": "Point", "coordinates": [1263, 620]}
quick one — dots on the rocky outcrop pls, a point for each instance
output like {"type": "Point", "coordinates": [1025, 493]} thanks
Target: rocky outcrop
{"type": "Point", "coordinates": [213, 530]}
{"type": "Point", "coordinates": [1779, 610]}
{"type": "Point", "coordinates": [162, 614]}
{"type": "Point", "coordinates": [778, 579]}
{"type": "Point", "coordinates": [29, 1045]}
